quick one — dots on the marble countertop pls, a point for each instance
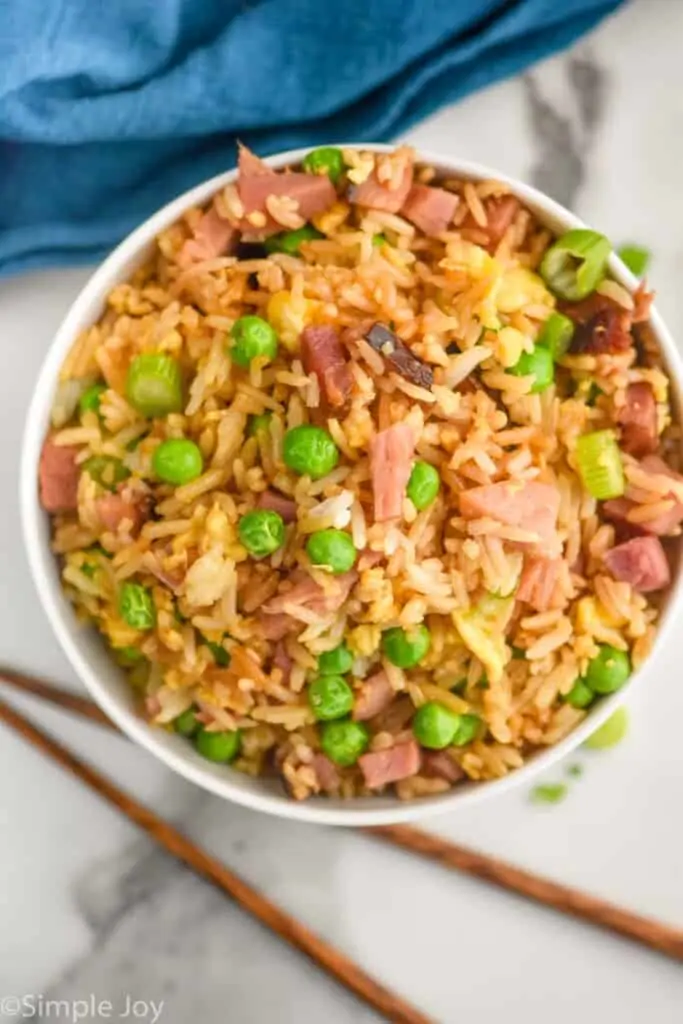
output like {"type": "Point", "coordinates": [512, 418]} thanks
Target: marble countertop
{"type": "Point", "coordinates": [91, 909]}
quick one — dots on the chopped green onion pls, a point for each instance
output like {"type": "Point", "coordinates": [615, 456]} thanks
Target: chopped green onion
{"type": "Point", "coordinates": [575, 771]}
{"type": "Point", "coordinates": [575, 264]}
{"type": "Point", "coordinates": [550, 793]}
{"type": "Point", "coordinates": [538, 364]}
{"type": "Point", "coordinates": [600, 466]}
{"type": "Point", "coordinates": [379, 240]}
{"type": "Point", "coordinates": [636, 258]}
{"type": "Point", "coordinates": [610, 733]}
{"type": "Point", "coordinates": [556, 335]}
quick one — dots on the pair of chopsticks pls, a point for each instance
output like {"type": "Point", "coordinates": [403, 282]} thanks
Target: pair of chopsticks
{"type": "Point", "coordinates": [653, 934]}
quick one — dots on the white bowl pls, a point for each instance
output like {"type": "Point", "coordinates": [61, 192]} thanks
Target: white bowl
{"type": "Point", "coordinates": [87, 653]}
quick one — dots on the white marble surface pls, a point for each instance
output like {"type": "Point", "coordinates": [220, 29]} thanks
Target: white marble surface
{"type": "Point", "coordinates": [88, 907]}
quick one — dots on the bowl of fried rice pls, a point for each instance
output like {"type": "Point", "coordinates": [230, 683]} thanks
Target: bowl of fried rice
{"type": "Point", "coordinates": [351, 483]}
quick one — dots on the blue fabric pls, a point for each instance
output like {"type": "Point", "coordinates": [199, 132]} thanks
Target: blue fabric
{"type": "Point", "coordinates": [108, 108]}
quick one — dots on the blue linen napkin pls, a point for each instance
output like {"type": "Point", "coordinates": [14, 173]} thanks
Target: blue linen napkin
{"type": "Point", "coordinates": [108, 110]}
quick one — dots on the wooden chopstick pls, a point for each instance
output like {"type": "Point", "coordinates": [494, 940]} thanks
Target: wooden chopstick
{"type": "Point", "coordinates": [330, 959]}
{"type": "Point", "coordinates": [655, 935]}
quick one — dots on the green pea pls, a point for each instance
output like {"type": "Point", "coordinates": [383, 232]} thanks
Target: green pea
{"type": "Point", "coordinates": [406, 648]}
{"type": "Point", "coordinates": [610, 733]}
{"type": "Point", "coordinates": [580, 695]}
{"type": "Point", "coordinates": [177, 461]}
{"type": "Point", "coordinates": [423, 485]}
{"type": "Point", "coordinates": [290, 241]}
{"type": "Point", "coordinates": [468, 730]}
{"type": "Point", "coordinates": [154, 385]}
{"type": "Point", "coordinates": [136, 606]}
{"type": "Point", "coordinates": [609, 670]}
{"type": "Point", "coordinates": [310, 451]}
{"type": "Point", "coordinates": [435, 725]}
{"type": "Point", "coordinates": [187, 723]}
{"type": "Point", "coordinates": [90, 399]}
{"type": "Point", "coordinates": [326, 160]}
{"type": "Point", "coordinates": [556, 335]}
{"type": "Point", "coordinates": [262, 532]}
{"type": "Point", "coordinates": [259, 424]}
{"type": "Point", "coordinates": [332, 549]}
{"type": "Point", "coordinates": [107, 471]}
{"type": "Point", "coordinates": [344, 741]}
{"type": "Point", "coordinates": [538, 364]}
{"type": "Point", "coordinates": [330, 697]}
{"type": "Point", "coordinates": [218, 746]}
{"type": "Point", "coordinates": [575, 264]}
{"type": "Point", "coordinates": [336, 662]}
{"type": "Point", "coordinates": [252, 337]}
{"type": "Point", "coordinates": [127, 656]}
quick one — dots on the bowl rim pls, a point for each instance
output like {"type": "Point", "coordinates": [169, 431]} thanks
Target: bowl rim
{"type": "Point", "coordinates": [363, 812]}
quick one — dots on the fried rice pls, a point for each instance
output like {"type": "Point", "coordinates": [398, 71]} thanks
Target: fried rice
{"type": "Point", "coordinates": [519, 573]}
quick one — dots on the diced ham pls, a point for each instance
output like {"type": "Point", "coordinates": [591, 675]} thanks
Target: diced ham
{"type": "Point", "coordinates": [374, 696]}
{"type": "Point", "coordinates": [384, 766]}
{"type": "Point", "coordinates": [114, 509]}
{"type": "Point", "coordinates": [368, 559]}
{"type": "Point", "coordinates": [538, 582]}
{"type": "Point", "coordinates": [323, 354]}
{"type": "Point", "coordinates": [286, 507]}
{"type": "Point", "coordinates": [214, 236]}
{"type": "Point", "coordinates": [379, 195]}
{"type": "Point", "coordinates": [58, 475]}
{"type": "Point", "coordinates": [391, 457]}
{"type": "Point", "coordinates": [638, 420]}
{"type": "Point", "coordinates": [282, 661]}
{"type": "Point", "coordinates": [439, 764]}
{"type": "Point", "coordinates": [309, 594]}
{"type": "Point", "coordinates": [430, 209]}
{"type": "Point", "coordinates": [528, 505]}
{"type": "Point", "coordinates": [277, 626]}
{"type": "Point", "coordinates": [642, 562]}
{"type": "Point", "coordinates": [250, 165]}
{"type": "Point", "coordinates": [314, 193]}
{"type": "Point", "coordinates": [500, 213]}
{"type": "Point", "coordinates": [326, 772]}
{"type": "Point", "coordinates": [618, 509]}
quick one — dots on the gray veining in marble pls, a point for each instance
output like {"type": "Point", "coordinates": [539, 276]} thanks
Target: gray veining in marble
{"type": "Point", "coordinates": [562, 139]}
{"type": "Point", "coordinates": [159, 933]}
